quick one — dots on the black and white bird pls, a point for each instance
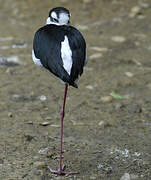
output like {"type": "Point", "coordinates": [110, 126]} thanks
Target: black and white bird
{"type": "Point", "coordinates": [61, 49]}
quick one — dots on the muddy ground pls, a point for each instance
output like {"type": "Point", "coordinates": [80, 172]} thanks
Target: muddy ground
{"type": "Point", "coordinates": [107, 127]}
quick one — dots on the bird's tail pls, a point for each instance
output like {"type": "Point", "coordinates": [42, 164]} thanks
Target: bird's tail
{"type": "Point", "coordinates": [73, 84]}
{"type": "Point", "coordinates": [67, 79]}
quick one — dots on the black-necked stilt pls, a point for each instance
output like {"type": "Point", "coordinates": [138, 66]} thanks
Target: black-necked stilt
{"type": "Point", "coordinates": [61, 49]}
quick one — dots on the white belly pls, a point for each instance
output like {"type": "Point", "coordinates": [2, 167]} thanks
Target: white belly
{"type": "Point", "coordinates": [66, 55]}
{"type": "Point", "coordinates": [36, 60]}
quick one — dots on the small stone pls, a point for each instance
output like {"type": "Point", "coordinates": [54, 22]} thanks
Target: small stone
{"type": "Point", "coordinates": [100, 49]}
{"type": "Point", "coordinates": [9, 62]}
{"type": "Point", "coordinates": [16, 97]}
{"type": "Point", "coordinates": [19, 46]}
{"type": "Point", "coordinates": [101, 123]}
{"type": "Point", "coordinates": [10, 114]}
{"type": "Point", "coordinates": [89, 87]}
{"type": "Point", "coordinates": [118, 39]}
{"type": "Point", "coordinates": [106, 99]}
{"type": "Point", "coordinates": [82, 27]}
{"type": "Point", "coordinates": [126, 176]}
{"type": "Point", "coordinates": [45, 123]}
{"type": "Point", "coordinates": [137, 43]}
{"type": "Point", "coordinates": [136, 62]}
{"type": "Point", "coordinates": [95, 56]}
{"type": "Point", "coordinates": [43, 151]}
{"type": "Point", "coordinates": [48, 118]}
{"type": "Point", "coordinates": [55, 125]}
{"type": "Point", "coordinates": [129, 74]}
{"type": "Point", "coordinates": [135, 11]}
{"type": "Point", "coordinates": [14, 59]}
{"type": "Point", "coordinates": [42, 98]}
{"type": "Point", "coordinates": [141, 16]}
{"type": "Point", "coordinates": [30, 122]}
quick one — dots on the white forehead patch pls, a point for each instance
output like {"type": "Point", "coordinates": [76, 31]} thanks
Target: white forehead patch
{"type": "Point", "coordinates": [63, 18]}
{"type": "Point", "coordinates": [54, 15]}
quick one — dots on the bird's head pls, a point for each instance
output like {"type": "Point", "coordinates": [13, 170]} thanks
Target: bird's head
{"type": "Point", "coordinates": [59, 16]}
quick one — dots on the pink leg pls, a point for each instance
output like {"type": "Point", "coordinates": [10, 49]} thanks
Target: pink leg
{"type": "Point", "coordinates": [61, 171]}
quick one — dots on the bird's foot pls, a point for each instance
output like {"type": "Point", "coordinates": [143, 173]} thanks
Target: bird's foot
{"type": "Point", "coordinates": [60, 171]}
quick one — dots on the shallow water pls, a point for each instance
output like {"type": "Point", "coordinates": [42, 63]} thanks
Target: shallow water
{"type": "Point", "coordinates": [108, 121]}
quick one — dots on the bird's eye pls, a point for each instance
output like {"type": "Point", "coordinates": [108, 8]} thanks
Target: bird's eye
{"type": "Point", "coordinates": [55, 20]}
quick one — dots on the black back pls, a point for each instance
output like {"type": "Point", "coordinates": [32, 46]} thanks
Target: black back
{"type": "Point", "coordinates": [47, 48]}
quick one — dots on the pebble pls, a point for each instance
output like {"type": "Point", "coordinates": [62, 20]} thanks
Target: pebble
{"type": "Point", "coordinates": [126, 176]}
{"type": "Point", "coordinates": [134, 11]}
{"type": "Point", "coordinates": [30, 122]}
{"type": "Point", "coordinates": [129, 74]}
{"type": "Point", "coordinates": [17, 98]}
{"type": "Point", "coordinates": [43, 151]}
{"type": "Point", "coordinates": [82, 27]}
{"type": "Point", "coordinates": [95, 56]}
{"type": "Point", "coordinates": [42, 98]}
{"type": "Point", "coordinates": [55, 125]}
{"type": "Point", "coordinates": [89, 87]}
{"type": "Point", "coordinates": [106, 99]}
{"type": "Point", "coordinates": [14, 59]}
{"type": "Point", "coordinates": [48, 118]}
{"type": "Point", "coordinates": [45, 123]}
{"type": "Point", "coordinates": [11, 61]}
{"type": "Point", "coordinates": [141, 16]}
{"type": "Point", "coordinates": [10, 114]}
{"type": "Point", "coordinates": [136, 62]}
{"type": "Point", "coordinates": [101, 123]}
{"type": "Point", "coordinates": [118, 39]}
{"type": "Point", "coordinates": [20, 46]}
{"type": "Point", "coordinates": [100, 49]}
